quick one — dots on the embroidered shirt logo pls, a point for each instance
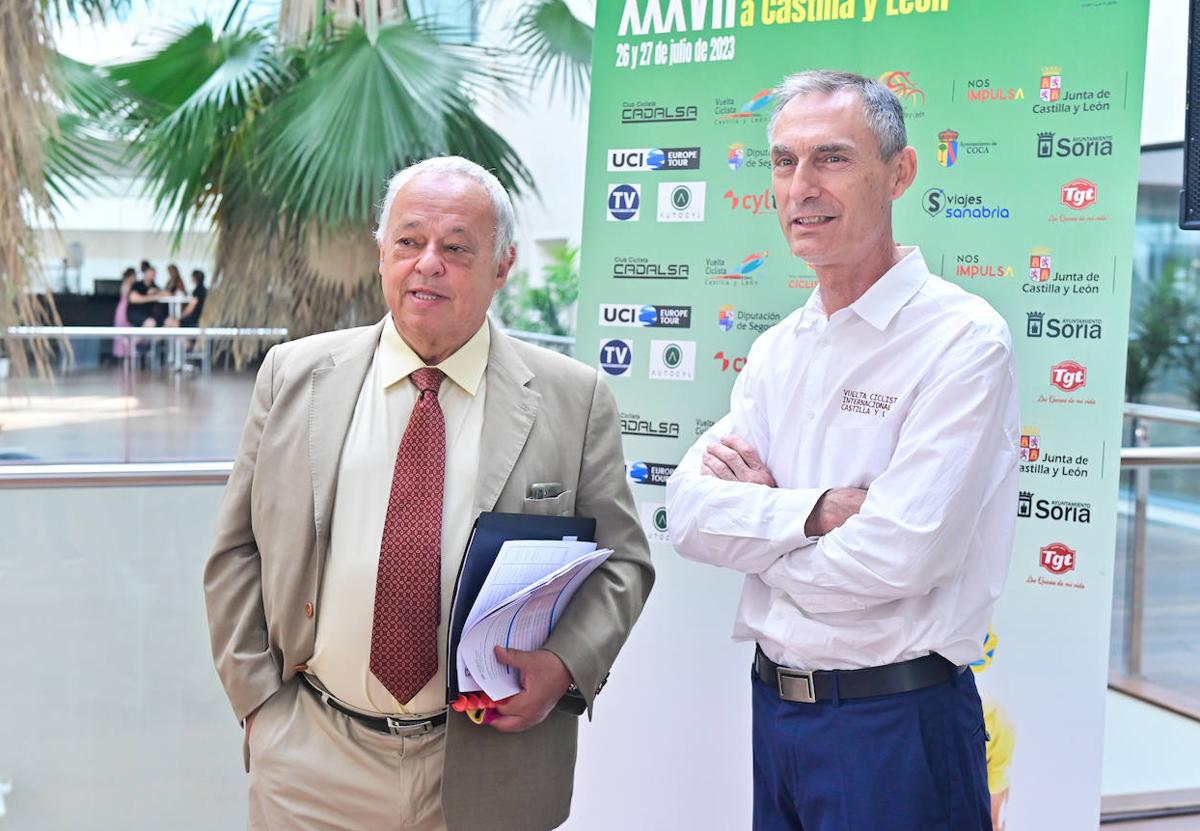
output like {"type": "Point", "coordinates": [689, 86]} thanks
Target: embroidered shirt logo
{"type": "Point", "coordinates": [868, 403]}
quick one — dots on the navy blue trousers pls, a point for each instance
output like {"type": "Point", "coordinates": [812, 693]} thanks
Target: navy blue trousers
{"type": "Point", "coordinates": [913, 761]}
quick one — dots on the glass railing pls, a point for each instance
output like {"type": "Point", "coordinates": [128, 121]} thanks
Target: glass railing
{"type": "Point", "coordinates": [1156, 596]}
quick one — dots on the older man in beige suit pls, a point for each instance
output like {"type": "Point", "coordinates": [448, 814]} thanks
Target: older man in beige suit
{"type": "Point", "coordinates": [366, 457]}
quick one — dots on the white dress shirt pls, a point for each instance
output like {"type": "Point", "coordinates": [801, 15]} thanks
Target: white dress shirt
{"type": "Point", "coordinates": [909, 392]}
{"type": "Point", "coordinates": [342, 653]}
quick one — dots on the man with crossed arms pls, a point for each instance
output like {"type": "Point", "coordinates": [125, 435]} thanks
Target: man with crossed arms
{"type": "Point", "coordinates": [366, 457]}
{"type": "Point", "coordinates": [865, 481]}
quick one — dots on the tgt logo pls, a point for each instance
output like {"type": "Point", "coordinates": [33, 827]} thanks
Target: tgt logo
{"type": "Point", "coordinates": [1068, 376]}
{"type": "Point", "coordinates": [737, 363]}
{"type": "Point", "coordinates": [1079, 194]}
{"type": "Point", "coordinates": [1057, 558]}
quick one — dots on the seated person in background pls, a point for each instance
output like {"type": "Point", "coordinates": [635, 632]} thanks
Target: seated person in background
{"type": "Point", "coordinates": [191, 312]}
{"type": "Point", "coordinates": [144, 308]}
{"type": "Point", "coordinates": [122, 347]}
{"type": "Point", "coordinates": [175, 284]}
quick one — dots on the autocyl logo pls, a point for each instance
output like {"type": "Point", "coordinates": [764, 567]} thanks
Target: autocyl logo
{"type": "Point", "coordinates": [616, 357]}
{"type": "Point", "coordinates": [624, 203]}
{"type": "Point", "coordinates": [672, 360]}
{"type": "Point", "coordinates": [1057, 558]}
{"type": "Point", "coordinates": [1068, 376]}
{"type": "Point", "coordinates": [654, 521]}
{"type": "Point", "coordinates": [681, 201]}
{"type": "Point", "coordinates": [1078, 194]}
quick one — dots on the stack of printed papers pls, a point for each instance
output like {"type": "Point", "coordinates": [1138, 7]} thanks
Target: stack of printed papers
{"type": "Point", "coordinates": [524, 595]}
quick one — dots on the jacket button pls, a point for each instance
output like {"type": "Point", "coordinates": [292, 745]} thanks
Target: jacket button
{"type": "Point", "coordinates": [308, 609]}
{"type": "Point", "coordinates": [301, 667]}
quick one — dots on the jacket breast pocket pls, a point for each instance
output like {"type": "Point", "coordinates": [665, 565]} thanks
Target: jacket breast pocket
{"type": "Point", "coordinates": [561, 505]}
{"type": "Point", "coordinates": [853, 457]}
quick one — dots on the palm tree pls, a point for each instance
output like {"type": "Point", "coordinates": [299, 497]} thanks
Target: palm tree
{"type": "Point", "coordinates": [284, 140]}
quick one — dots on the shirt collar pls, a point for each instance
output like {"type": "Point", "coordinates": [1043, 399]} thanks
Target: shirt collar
{"type": "Point", "coordinates": [880, 303]}
{"type": "Point", "coordinates": [397, 360]}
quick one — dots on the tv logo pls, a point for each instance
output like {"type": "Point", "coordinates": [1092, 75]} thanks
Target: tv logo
{"type": "Point", "coordinates": [624, 203]}
{"type": "Point", "coordinates": [616, 357]}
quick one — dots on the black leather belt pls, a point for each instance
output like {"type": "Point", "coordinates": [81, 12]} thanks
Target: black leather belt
{"type": "Point", "coordinates": [382, 724]}
{"type": "Point", "coordinates": [818, 685]}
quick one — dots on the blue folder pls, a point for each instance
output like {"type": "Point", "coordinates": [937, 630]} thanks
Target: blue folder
{"type": "Point", "coordinates": [491, 530]}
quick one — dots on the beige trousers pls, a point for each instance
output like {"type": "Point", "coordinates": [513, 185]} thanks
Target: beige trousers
{"type": "Point", "coordinates": [313, 768]}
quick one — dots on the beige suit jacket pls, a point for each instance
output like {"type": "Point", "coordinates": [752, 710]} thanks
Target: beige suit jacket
{"type": "Point", "coordinates": [547, 418]}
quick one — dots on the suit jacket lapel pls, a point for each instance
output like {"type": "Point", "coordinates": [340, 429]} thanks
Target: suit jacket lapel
{"type": "Point", "coordinates": [335, 388]}
{"type": "Point", "coordinates": [508, 416]}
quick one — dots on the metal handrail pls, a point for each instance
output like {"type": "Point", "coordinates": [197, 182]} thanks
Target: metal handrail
{"type": "Point", "coordinates": [1172, 415]}
{"type": "Point", "coordinates": [145, 331]}
{"type": "Point", "coordinates": [1137, 457]}
{"type": "Point", "coordinates": [95, 475]}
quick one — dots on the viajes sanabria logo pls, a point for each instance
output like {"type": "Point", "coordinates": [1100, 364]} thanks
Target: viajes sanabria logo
{"type": "Point", "coordinates": [961, 205]}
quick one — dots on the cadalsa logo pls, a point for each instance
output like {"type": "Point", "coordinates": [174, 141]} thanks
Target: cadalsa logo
{"type": "Point", "coordinates": [961, 205]}
{"type": "Point", "coordinates": [1068, 376]}
{"type": "Point", "coordinates": [634, 424]}
{"type": "Point", "coordinates": [656, 112]}
{"type": "Point", "coordinates": [1037, 325]}
{"type": "Point", "coordinates": [1078, 194]}
{"type": "Point", "coordinates": [641, 268]}
{"type": "Point", "coordinates": [1057, 558]}
{"type": "Point", "coordinates": [1030, 506]}
{"type": "Point", "coordinates": [721, 272]}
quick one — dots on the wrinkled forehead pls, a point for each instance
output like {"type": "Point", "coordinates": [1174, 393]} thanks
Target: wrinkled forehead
{"type": "Point", "coordinates": [815, 118]}
{"type": "Point", "coordinates": [445, 202]}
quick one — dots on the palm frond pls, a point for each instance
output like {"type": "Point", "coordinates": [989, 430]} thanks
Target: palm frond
{"type": "Point", "coordinates": [83, 149]}
{"type": "Point", "coordinates": [558, 46]}
{"type": "Point", "coordinates": [363, 111]}
{"type": "Point", "coordinates": [190, 101]}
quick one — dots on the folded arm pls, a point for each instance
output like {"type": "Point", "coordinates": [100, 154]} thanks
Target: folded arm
{"type": "Point", "coordinates": [955, 448]}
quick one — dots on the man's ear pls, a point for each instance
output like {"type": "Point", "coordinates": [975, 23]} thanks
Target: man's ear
{"type": "Point", "coordinates": [904, 169]}
{"type": "Point", "coordinates": [505, 266]}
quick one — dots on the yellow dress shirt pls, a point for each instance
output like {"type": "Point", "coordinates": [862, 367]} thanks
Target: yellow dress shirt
{"type": "Point", "coordinates": [342, 654]}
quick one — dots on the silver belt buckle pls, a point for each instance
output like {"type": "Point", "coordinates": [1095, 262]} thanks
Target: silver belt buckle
{"type": "Point", "coordinates": [796, 685]}
{"type": "Point", "coordinates": [399, 727]}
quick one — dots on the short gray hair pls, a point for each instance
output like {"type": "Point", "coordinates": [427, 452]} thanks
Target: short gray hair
{"type": "Point", "coordinates": [885, 115]}
{"type": "Point", "coordinates": [502, 207]}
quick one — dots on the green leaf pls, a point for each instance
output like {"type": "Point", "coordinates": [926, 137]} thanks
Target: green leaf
{"type": "Point", "coordinates": [558, 45]}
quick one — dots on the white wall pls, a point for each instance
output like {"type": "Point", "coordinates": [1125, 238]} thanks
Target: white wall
{"type": "Point", "coordinates": [1166, 72]}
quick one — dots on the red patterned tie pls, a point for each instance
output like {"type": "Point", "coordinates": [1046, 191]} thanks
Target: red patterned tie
{"type": "Point", "coordinates": [408, 589]}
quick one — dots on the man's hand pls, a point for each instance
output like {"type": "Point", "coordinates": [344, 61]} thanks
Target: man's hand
{"type": "Point", "coordinates": [834, 507]}
{"type": "Point", "coordinates": [734, 460]}
{"type": "Point", "coordinates": [544, 680]}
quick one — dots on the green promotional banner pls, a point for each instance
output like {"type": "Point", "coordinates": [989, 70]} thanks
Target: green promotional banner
{"type": "Point", "coordinates": [1025, 117]}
